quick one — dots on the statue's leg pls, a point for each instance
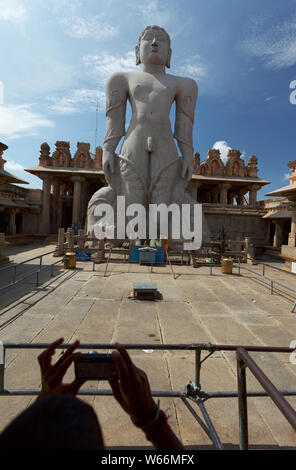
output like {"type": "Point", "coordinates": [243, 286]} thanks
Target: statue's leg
{"type": "Point", "coordinates": [163, 177]}
{"type": "Point", "coordinates": [133, 167]}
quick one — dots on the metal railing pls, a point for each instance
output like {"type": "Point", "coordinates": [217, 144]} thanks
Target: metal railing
{"type": "Point", "coordinates": [244, 360]}
{"type": "Point", "coordinates": [271, 282]}
{"type": "Point", "coordinates": [40, 268]}
{"type": "Point", "coordinates": [192, 390]}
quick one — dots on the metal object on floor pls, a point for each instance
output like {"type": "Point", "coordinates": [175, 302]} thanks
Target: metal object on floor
{"type": "Point", "coordinates": [70, 260]}
{"type": "Point", "coordinates": [226, 265]}
{"type": "Point", "coordinates": [147, 255]}
{"type": "Point", "coordinates": [193, 390]}
{"type": "Point", "coordinates": [145, 291]}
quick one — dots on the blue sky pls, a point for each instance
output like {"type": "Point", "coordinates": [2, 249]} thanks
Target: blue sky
{"type": "Point", "coordinates": [56, 56]}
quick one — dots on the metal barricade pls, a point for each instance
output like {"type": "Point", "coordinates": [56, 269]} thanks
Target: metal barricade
{"type": "Point", "coordinates": [192, 391]}
{"type": "Point", "coordinates": [244, 360]}
{"type": "Point", "coordinates": [37, 272]}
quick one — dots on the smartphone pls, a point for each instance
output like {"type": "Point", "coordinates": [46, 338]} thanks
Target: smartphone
{"type": "Point", "coordinates": [95, 366]}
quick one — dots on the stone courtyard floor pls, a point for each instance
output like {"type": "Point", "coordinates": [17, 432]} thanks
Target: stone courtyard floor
{"type": "Point", "coordinates": [196, 308]}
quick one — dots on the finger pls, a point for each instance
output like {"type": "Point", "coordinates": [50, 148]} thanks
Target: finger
{"type": "Point", "coordinates": [121, 368]}
{"type": "Point", "coordinates": [116, 390]}
{"type": "Point", "coordinates": [74, 386]}
{"type": "Point", "coordinates": [64, 366]}
{"type": "Point", "coordinates": [124, 354]}
{"type": "Point", "coordinates": [68, 353]}
{"type": "Point", "coordinates": [45, 357]}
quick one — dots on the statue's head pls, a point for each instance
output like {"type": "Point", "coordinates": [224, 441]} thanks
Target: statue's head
{"type": "Point", "coordinates": [154, 46]}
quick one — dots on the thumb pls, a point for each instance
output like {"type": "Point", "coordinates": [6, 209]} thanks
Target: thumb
{"type": "Point", "coordinates": [114, 384]}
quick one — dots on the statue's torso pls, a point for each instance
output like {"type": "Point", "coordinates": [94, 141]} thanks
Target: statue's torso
{"type": "Point", "coordinates": [151, 98]}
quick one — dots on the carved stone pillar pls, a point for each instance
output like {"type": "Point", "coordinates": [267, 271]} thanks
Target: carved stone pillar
{"type": "Point", "coordinates": [231, 196]}
{"type": "Point", "coordinates": [240, 197]}
{"type": "Point", "coordinates": [292, 234]}
{"type": "Point", "coordinates": [193, 188]}
{"type": "Point", "coordinates": [223, 192]}
{"type": "Point", "coordinates": [56, 197]}
{"type": "Point", "coordinates": [76, 198]}
{"type": "Point", "coordinates": [253, 194]}
{"type": "Point", "coordinates": [277, 235]}
{"type": "Point", "coordinates": [12, 225]}
{"type": "Point", "coordinates": [215, 195]}
{"type": "Point", "coordinates": [45, 204]}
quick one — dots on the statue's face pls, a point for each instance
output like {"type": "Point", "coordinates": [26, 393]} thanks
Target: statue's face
{"type": "Point", "coordinates": [154, 47]}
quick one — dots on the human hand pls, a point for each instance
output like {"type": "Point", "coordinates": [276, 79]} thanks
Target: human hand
{"type": "Point", "coordinates": [132, 390]}
{"type": "Point", "coordinates": [52, 375]}
{"type": "Point", "coordinates": [187, 169]}
{"type": "Point", "coordinates": [108, 164]}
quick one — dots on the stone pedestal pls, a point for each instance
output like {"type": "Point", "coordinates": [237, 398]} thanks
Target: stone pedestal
{"type": "Point", "coordinates": [59, 251]}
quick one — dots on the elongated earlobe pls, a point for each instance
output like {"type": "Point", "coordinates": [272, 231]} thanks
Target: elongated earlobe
{"type": "Point", "coordinates": [168, 62]}
{"type": "Point", "coordinates": [138, 60]}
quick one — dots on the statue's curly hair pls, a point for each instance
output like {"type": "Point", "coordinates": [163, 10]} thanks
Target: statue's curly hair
{"type": "Point", "coordinates": [138, 60]}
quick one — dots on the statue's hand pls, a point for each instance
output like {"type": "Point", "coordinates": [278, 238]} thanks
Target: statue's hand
{"type": "Point", "coordinates": [187, 169]}
{"type": "Point", "coordinates": [108, 164]}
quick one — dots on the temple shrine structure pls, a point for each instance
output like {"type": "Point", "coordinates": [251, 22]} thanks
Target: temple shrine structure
{"type": "Point", "coordinates": [228, 191]}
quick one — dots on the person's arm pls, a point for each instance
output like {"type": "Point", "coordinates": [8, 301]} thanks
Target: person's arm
{"type": "Point", "coordinates": [52, 374]}
{"type": "Point", "coordinates": [186, 98]}
{"type": "Point", "coordinates": [116, 98]}
{"type": "Point", "coordinates": [132, 391]}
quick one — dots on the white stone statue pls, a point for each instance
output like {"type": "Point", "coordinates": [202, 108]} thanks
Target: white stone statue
{"type": "Point", "coordinates": [148, 168]}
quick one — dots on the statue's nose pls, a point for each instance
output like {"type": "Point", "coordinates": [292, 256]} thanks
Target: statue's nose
{"type": "Point", "coordinates": [154, 42]}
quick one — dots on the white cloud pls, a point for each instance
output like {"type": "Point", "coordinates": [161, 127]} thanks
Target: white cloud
{"type": "Point", "coordinates": [286, 177]}
{"type": "Point", "coordinates": [269, 98]}
{"type": "Point", "coordinates": [78, 101]}
{"type": "Point", "coordinates": [103, 65]}
{"type": "Point", "coordinates": [192, 68]}
{"type": "Point", "coordinates": [68, 4]}
{"type": "Point", "coordinates": [153, 13]}
{"type": "Point", "coordinates": [19, 121]}
{"type": "Point", "coordinates": [94, 28]}
{"type": "Point", "coordinates": [223, 147]}
{"type": "Point", "coordinates": [11, 165]}
{"type": "Point", "coordinates": [13, 13]}
{"type": "Point", "coordinates": [274, 43]}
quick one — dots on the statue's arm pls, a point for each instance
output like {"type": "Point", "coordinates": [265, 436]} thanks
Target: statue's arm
{"type": "Point", "coordinates": [186, 98]}
{"type": "Point", "coordinates": [116, 98]}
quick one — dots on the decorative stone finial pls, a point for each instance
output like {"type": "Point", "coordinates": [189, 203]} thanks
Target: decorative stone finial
{"type": "Point", "coordinates": [252, 161]}
{"type": "Point", "coordinates": [44, 150]}
{"type": "Point", "coordinates": [3, 147]}
{"type": "Point", "coordinates": [214, 153]}
{"type": "Point", "coordinates": [232, 153]}
{"type": "Point", "coordinates": [292, 165]}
